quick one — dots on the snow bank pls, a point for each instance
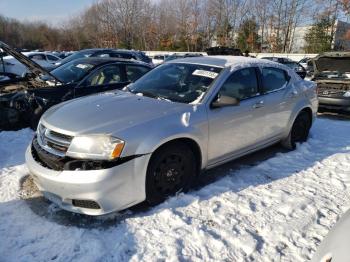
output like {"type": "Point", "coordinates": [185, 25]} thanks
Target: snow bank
{"type": "Point", "coordinates": [277, 210]}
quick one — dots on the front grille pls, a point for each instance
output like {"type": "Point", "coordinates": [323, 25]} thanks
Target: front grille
{"type": "Point", "coordinates": [53, 142]}
{"type": "Point", "coordinates": [47, 159]}
{"type": "Point", "coordinates": [329, 89]}
{"type": "Point", "coordinates": [62, 136]}
{"type": "Point", "coordinates": [86, 204]}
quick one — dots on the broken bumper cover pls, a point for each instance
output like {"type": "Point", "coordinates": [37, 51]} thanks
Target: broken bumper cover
{"type": "Point", "coordinates": [92, 192]}
{"type": "Point", "coordinates": [334, 103]}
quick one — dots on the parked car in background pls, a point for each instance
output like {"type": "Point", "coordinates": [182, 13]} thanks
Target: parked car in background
{"type": "Point", "coordinates": [24, 100]}
{"type": "Point", "coordinates": [45, 60]}
{"type": "Point", "coordinates": [159, 59]}
{"type": "Point", "coordinates": [331, 72]}
{"type": "Point", "coordinates": [335, 247]}
{"type": "Point", "coordinates": [62, 54]}
{"type": "Point", "coordinates": [108, 52]}
{"type": "Point", "coordinates": [181, 55]}
{"type": "Point", "coordinates": [223, 50]}
{"type": "Point", "coordinates": [298, 68]}
{"type": "Point", "coordinates": [304, 62]}
{"type": "Point", "coordinates": [107, 152]}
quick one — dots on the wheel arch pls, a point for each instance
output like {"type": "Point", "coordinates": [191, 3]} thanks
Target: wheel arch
{"type": "Point", "coordinates": [305, 108]}
{"type": "Point", "coordinates": [194, 146]}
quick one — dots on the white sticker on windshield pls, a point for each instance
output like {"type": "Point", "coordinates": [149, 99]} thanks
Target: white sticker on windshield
{"type": "Point", "coordinates": [204, 73]}
{"type": "Point", "coordinates": [82, 66]}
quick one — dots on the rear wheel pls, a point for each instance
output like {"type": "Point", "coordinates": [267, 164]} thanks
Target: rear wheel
{"type": "Point", "coordinates": [299, 132]}
{"type": "Point", "coordinates": [172, 169]}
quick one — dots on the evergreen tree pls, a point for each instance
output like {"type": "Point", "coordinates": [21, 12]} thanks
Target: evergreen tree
{"type": "Point", "coordinates": [318, 39]}
{"type": "Point", "coordinates": [248, 38]}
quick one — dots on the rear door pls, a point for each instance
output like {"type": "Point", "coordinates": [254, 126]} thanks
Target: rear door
{"type": "Point", "coordinates": [236, 128]}
{"type": "Point", "coordinates": [107, 78]}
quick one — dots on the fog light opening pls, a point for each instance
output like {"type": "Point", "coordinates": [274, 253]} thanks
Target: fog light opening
{"type": "Point", "coordinates": [85, 204]}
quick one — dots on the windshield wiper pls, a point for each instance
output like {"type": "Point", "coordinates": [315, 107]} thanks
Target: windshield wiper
{"type": "Point", "coordinates": [152, 95]}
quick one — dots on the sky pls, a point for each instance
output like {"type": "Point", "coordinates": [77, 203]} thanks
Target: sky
{"type": "Point", "coordinates": [52, 11]}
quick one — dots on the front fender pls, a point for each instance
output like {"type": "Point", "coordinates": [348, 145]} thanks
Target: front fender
{"type": "Point", "coordinates": [191, 125]}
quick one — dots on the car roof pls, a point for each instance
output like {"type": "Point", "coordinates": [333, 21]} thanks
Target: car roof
{"type": "Point", "coordinates": [106, 60]}
{"type": "Point", "coordinates": [108, 49]}
{"type": "Point", "coordinates": [223, 61]}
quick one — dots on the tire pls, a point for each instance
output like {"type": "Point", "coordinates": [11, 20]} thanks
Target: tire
{"type": "Point", "coordinates": [299, 132]}
{"type": "Point", "coordinates": [172, 169]}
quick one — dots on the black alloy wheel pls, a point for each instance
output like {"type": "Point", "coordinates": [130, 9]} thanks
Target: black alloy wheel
{"type": "Point", "coordinates": [171, 170]}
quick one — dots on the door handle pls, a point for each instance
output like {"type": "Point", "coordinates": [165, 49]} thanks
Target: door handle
{"type": "Point", "coordinates": [259, 104]}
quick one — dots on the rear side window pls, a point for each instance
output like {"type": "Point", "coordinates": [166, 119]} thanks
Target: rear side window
{"type": "Point", "coordinates": [134, 72]}
{"type": "Point", "coordinates": [51, 58]}
{"type": "Point", "coordinates": [273, 79]}
{"type": "Point", "coordinates": [242, 84]}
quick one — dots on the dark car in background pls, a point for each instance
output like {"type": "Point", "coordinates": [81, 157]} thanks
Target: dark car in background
{"type": "Point", "coordinates": [181, 55]}
{"type": "Point", "coordinates": [331, 72]}
{"type": "Point", "coordinates": [224, 50]}
{"type": "Point", "coordinates": [108, 52]}
{"type": "Point", "coordinates": [24, 100]}
{"type": "Point", "coordinates": [296, 66]}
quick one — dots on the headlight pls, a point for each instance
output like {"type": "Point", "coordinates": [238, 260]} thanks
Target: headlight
{"type": "Point", "coordinates": [347, 94]}
{"type": "Point", "coordinates": [95, 147]}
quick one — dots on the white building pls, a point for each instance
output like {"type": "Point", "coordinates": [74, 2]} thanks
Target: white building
{"type": "Point", "coordinates": [341, 41]}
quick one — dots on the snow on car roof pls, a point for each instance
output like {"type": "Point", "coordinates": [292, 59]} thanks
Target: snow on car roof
{"type": "Point", "coordinates": [235, 62]}
{"type": "Point", "coordinates": [223, 61]}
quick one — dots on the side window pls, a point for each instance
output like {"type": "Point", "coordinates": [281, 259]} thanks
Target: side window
{"type": "Point", "coordinates": [37, 57]}
{"type": "Point", "coordinates": [241, 84]}
{"type": "Point", "coordinates": [51, 58]}
{"type": "Point", "coordinates": [134, 72]}
{"type": "Point", "coordinates": [108, 75]}
{"type": "Point", "coordinates": [273, 79]}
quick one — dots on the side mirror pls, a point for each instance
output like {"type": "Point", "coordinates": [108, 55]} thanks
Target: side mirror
{"type": "Point", "coordinates": [223, 101]}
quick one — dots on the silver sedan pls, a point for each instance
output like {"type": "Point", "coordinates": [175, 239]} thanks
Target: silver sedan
{"type": "Point", "coordinates": [110, 151]}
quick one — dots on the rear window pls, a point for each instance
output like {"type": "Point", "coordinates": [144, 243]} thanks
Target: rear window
{"type": "Point", "coordinates": [273, 79]}
{"type": "Point", "coordinates": [122, 55]}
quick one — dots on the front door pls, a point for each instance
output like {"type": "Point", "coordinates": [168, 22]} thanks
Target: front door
{"type": "Point", "coordinates": [104, 79]}
{"type": "Point", "coordinates": [234, 128]}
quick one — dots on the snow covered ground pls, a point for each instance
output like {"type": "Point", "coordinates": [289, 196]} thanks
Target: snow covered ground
{"type": "Point", "coordinates": [276, 210]}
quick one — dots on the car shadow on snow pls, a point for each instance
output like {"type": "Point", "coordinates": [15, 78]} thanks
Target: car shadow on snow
{"type": "Point", "coordinates": [258, 168]}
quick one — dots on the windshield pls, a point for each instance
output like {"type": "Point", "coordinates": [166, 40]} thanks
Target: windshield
{"type": "Point", "coordinates": [80, 54]}
{"type": "Point", "coordinates": [72, 71]}
{"type": "Point", "coordinates": [177, 82]}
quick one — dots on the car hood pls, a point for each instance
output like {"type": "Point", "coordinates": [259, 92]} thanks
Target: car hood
{"type": "Point", "coordinates": [33, 67]}
{"type": "Point", "coordinates": [106, 113]}
{"type": "Point", "coordinates": [333, 62]}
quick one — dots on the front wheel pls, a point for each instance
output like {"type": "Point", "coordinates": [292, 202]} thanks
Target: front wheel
{"type": "Point", "coordinates": [172, 169]}
{"type": "Point", "coordinates": [299, 132]}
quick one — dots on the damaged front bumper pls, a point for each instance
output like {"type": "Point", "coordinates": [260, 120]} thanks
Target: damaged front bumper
{"type": "Point", "coordinates": [92, 192]}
